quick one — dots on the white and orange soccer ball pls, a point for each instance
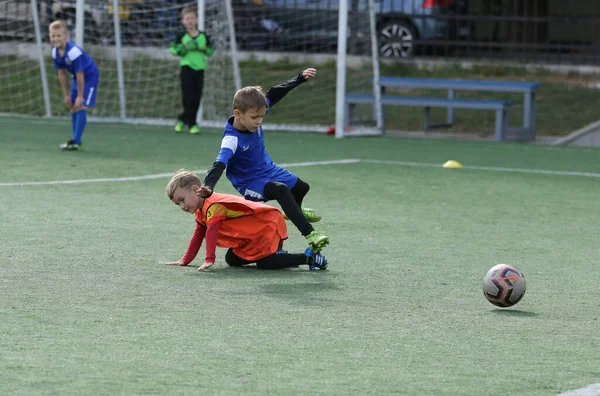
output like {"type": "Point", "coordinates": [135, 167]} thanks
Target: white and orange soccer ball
{"type": "Point", "coordinates": [504, 285]}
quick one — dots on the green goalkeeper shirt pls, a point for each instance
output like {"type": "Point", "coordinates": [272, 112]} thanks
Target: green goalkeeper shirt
{"type": "Point", "coordinates": [192, 50]}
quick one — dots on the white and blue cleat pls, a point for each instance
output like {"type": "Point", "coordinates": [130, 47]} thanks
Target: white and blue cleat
{"type": "Point", "coordinates": [315, 260]}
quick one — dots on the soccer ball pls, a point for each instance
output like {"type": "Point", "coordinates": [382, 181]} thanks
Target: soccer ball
{"type": "Point", "coordinates": [504, 285]}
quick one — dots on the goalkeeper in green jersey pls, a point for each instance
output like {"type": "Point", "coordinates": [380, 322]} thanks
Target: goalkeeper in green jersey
{"type": "Point", "coordinates": [193, 47]}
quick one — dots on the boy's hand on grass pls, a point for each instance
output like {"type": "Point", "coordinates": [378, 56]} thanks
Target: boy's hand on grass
{"type": "Point", "coordinates": [207, 264]}
{"type": "Point", "coordinates": [180, 263]}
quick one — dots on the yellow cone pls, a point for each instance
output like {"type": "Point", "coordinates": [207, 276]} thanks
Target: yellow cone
{"type": "Point", "coordinates": [452, 164]}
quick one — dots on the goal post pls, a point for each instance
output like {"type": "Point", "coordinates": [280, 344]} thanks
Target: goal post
{"type": "Point", "coordinates": [237, 79]}
{"type": "Point", "coordinates": [40, 49]}
{"type": "Point", "coordinates": [362, 11]}
{"type": "Point", "coordinates": [340, 103]}
{"type": "Point", "coordinates": [119, 60]}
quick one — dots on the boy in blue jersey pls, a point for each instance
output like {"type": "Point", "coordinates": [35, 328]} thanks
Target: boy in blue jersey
{"type": "Point", "coordinates": [72, 58]}
{"type": "Point", "coordinates": [250, 168]}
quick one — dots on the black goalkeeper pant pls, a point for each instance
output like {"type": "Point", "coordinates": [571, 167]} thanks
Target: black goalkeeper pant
{"type": "Point", "coordinates": [192, 84]}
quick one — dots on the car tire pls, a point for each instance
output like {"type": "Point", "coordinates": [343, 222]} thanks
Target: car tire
{"type": "Point", "coordinates": [397, 39]}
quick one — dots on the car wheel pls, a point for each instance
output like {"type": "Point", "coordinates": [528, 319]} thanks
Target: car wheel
{"type": "Point", "coordinates": [397, 40]}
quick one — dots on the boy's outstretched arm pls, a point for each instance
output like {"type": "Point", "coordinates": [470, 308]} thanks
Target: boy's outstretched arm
{"type": "Point", "coordinates": [212, 234]}
{"type": "Point", "coordinates": [193, 247]}
{"type": "Point", "coordinates": [212, 177]}
{"type": "Point", "coordinates": [276, 93]}
{"type": "Point", "coordinates": [216, 213]}
{"type": "Point", "coordinates": [228, 148]}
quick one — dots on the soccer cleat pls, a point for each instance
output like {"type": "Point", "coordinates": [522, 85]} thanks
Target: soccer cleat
{"type": "Point", "coordinates": [312, 215]}
{"type": "Point", "coordinates": [71, 145]}
{"type": "Point", "coordinates": [179, 126]}
{"type": "Point", "coordinates": [317, 241]}
{"type": "Point", "coordinates": [315, 260]}
{"type": "Point", "coordinates": [194, 129]}
{"type": "Point", "coordinates": [66, 144]}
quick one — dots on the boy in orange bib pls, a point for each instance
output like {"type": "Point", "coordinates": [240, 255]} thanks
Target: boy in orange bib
{"type": "Point", "coordinates": [252, 232]}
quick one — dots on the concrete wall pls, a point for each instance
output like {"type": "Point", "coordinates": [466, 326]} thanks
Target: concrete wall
{"type": "Point", "coordinates": [591, 139]}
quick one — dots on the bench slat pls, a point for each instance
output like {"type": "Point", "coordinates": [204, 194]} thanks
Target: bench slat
{"type": "Point", "coordinates": [430, 102]}
{"type": "Point", "coordinates": [476, 85]}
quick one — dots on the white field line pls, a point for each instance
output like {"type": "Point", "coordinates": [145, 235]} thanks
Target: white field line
{"type": "Point", "coordinates": [313, 163]}
{"type": "Point", "coordinates": [489, 168]}
{"type": "Point", "coordinates": [162, 175]}
{"type": "Point", "coordinates": [590, 390]}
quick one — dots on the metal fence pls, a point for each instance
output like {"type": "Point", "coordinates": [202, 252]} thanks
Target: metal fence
{"type": "Point", "coordinates": [541, 31]}
{"type": "Point", "coordinates": [538, 31]}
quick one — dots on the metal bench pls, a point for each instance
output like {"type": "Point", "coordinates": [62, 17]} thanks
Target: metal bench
{"type": "Point", "coordinates": [499, 106]}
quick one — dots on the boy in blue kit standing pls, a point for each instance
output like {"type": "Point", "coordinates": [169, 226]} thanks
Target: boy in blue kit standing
{"type": "Point", "coordinates": [250, 168]}
{"type": "Point", "coordinates": [84, 86]}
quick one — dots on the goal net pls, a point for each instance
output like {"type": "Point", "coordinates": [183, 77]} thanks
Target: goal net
{"type": "Point", "coordinates": [257, 42]}
{"type": "Point", "coordinates": [21, 80]}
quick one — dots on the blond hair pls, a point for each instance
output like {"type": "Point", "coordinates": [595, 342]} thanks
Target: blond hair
{"type": "Point", "coordinates": [249, 98]}
{"type": "Point", "coordinates": [182, 179]}
{"type": "Point", "coordinates": [58, 24]}
{"type": "Point", "coordinates": [189, 10]}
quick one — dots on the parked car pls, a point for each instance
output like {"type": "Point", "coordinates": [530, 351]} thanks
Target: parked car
{"type": "Point", "coordinates": [402, 25]}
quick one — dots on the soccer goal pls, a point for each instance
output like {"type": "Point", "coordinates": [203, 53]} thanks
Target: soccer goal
{"type": "Point", "coordinates": [139, 76]}
{"type": "Point", "coordinates": [256, 43]}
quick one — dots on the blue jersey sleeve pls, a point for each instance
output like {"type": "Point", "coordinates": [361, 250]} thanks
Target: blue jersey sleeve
{"type": "Point", "coordinates": [225, 155]}
{"type": "Point", "coordinates": [228, 148]}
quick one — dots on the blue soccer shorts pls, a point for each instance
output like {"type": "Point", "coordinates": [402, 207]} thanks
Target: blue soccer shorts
{"type": "Point", "coordinates": [89, 93]}
{"type": "Point", "coordinates": [255, 189]}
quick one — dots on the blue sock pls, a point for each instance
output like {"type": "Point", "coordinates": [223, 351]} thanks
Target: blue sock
{"type": "Point", "coordinates": [74, 125]}
{"type": "Point", "coordinates": [81, 120]}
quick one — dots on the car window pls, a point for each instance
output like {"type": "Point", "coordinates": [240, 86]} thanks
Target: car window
{"type": "Point", "coordinates": [311, 4]}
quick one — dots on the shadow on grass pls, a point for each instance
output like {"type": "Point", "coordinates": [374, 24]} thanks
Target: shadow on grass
{"type": "Point", "coordinates": [300, 289]}
{"type": "Point", "coordinates": [514, 312]}
{"type": "Point", "coordinates": [294, 282]}
{"type": "Point", "coordinates": [251, 271]}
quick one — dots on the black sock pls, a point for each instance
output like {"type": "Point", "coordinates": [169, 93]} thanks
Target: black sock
{"type": "Point", "coordinates": [283, 195]}
{"type": "Point", "coordinates": [300, 190]}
